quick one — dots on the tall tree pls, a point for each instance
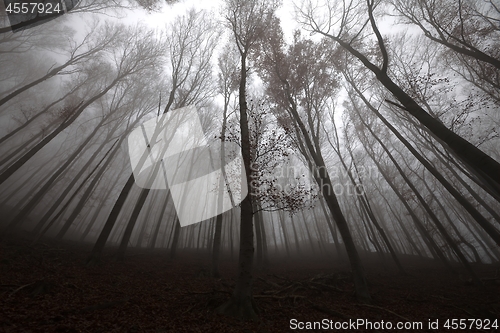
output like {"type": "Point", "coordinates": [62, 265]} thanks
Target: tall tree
{"type": "Point", "coordinates": [190, 47]}
{"type": "Point", "coordinates": [248, 22]}
{"type": "Point", "coordinates": [301, 82]}
{"type": "Point", "coordinates": [349, 35]}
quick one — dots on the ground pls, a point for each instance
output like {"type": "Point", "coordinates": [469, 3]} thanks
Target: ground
{"type": "Point", "coordinates": [46, 287]}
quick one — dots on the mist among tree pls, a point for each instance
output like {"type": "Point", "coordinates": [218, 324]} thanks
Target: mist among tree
{"type": "Point", "coordinates": [368, 188]}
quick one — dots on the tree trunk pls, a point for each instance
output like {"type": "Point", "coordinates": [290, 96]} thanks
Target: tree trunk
{"type": "Point", "coordinates": [145, 220]}
{"type": "Point", "coordinates": [158, 222]}
{"type": "Point", "coordinates": [483, 222]}
{"type": "Point", "coordinates": [175, 239]}
{"type": "Point", "coordinates": [424, 204]}
{"type": "Point", "coordinates": [265, 253]}
{"type": "Point", "coordinates": [110, 222]}
{"type": "Point", "coordinates": [99, 208]}
{"type": "Point", "coordinates": [38, 230]}
{"type": "Point", "coordinates": [464, 149]}
{"type": "Point", "coordinates": [63, 195]}
{"type": "Point", "coordinates": [241, 304]}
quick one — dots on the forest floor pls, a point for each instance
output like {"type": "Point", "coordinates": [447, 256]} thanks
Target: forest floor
{"type": "Point", "coordinates": [47, 288]}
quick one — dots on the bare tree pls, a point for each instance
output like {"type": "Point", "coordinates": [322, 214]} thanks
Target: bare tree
{"type": "Point", "coordinates": [301, 86]}
{"type": "Point", "coordinates": [190, 48]}
{"type": "Point", "coordinates": [466, 27]}
{"type": "Point", "coordinates": [248, 22]}
{"type": "Point", "coordinates": [136, 54]}
{"type": "Point", "coordinates": [90, 47]}
{"type": "Point", "coordinates": [350, 31]}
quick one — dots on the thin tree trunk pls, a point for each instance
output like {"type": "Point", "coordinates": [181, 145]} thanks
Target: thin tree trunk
{"type": "Point", "coordinates": [145, 220]}
{"type": "Point", "coordinates": [464, 149]}
{"type": "Point", "coordinates": [424, 204]}
{"type": "Point", "coordinates": [50, 182]}
{"type": "Point", "coordinates": [285, 236]}
{"type": "Point", "coordinates": [158, 222]}
{"type": "Point", "coordinates": [110, 222]}
{"type": "Point", "coordinates": [241, 304]}
{"type": "Point", "coordinates": [60, 199]}
{"type": "Point", "coordinates": [38, 229]}
{"type": "Point", "coordinates": [99, 208]}
{"type": "Point", "coordinates": [68, 121]}
{"type": "Point", "coordinates": [483, 222]}
{"type": "Point", "coordinates": [29, 121]}
{"type": "Point", "coordinates": [175, 239]}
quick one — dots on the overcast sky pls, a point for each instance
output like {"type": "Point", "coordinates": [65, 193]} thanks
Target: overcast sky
{"type": "Point", "coordinates": [168, 13]}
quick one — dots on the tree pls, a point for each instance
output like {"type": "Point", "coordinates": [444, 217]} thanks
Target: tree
{"type": "Point", "coordinates": [91, 47]}
{"type": "Point", "coordinates": [421, 200]}
{"type": "Point", "coordinates": [248, 22]}
{"type": "Point", "coordinates": [466, 27]}
{"type": "Point", "coordinates": [190, 48]}
{"type": "Point", "coordinates": [135, 58]}
{"type": "Point", "coordinates": [361, 193]}
{"type": "Point", "coordinates": [301, 83]}
{"type": "Point", "coordinates": [481, 220]}
{"type": "Point", "coordinates": [348, 38]}
{"type": "Point", "coordinates": [81, 6]}
{"type": "Point", "coordinates": [228, 83]}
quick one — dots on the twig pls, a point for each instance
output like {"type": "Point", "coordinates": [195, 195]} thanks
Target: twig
{"type": "Point", "coordinates": [281, 278]}
{"type": "Point", "coordinates": [271, 283]}
{"type": "Point", "coordinates": [283, 289]}
{"type": "Point", "coordinates": [20, 288]}
{"type": "Point", "coordinates": [190, 308]}
{"type": "Point", "coordinates": [278, 297]}
{"type": "Point", "coordinates": [381, 308]}
{"type": "Point", "coordinates": [103, 306]}
{"type": "Point", "coordinates": [206, 292]}
{"type": "Point", "coordinates": [441, 297]}
{"type": "Point", "coordinates": [470, 314]}
{"type": "Point", "coordinates": [330, 312]}
{"type": "Point", "coordinates": [327, 286]}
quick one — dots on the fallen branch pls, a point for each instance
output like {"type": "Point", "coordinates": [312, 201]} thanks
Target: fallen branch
{"type": "Point", "coordinates": [103, 306]}
{"type": "Point", "coordinates": [190, 308]}
{"type": "Point", "coordinates": [330, 312]}
{"type": "Point", "coordinates": [470, 314]}
{"type": "Point", "coordinates": [381, 308]}
{"type": "Point", "coordinates": [271, 283]}
{"type": "Point", "coordinates": [279, 297]}
{"type": "Point", "coordinates": [281, 278]}
{"type": "Point", "coordinates": [326, 285]}
{"type": "Point", "coordinates": [206, 292]}
{"type": "Point", "coordinates": [21, 288]}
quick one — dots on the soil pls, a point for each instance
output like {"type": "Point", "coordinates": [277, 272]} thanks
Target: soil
{"type": "Point", "coordinates": [46, 287]}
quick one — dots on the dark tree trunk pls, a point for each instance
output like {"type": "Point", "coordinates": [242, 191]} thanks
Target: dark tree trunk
{"type": "Point", "coordinates": [85, 196]}
{"type": "Point", "coordinates": [131, 223]}
{"type": "Point", "coordinates": [158, 222]}
{"type": "Point", "coordinates": [110, 222]}
{"type": "Point", "coordinates": [175, 239]}
{"type": "Point", "coordinates": [217, 246]}
{"type": "Point", "coordinates": [464, 149]}
{"type": "Point", "coordinates": [481, 220]}
{"type": "Point", "coordinates": [424, 204]}
{"type": "Point", "coordinates": [241, 304]}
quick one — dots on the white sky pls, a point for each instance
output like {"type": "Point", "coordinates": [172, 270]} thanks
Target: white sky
{"type": "Point", "coordinates": [169, 12]}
